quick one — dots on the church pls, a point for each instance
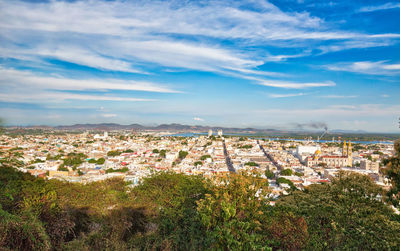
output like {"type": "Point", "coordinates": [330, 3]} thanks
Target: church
{"type": "Point", "coordinates": [332, 160]}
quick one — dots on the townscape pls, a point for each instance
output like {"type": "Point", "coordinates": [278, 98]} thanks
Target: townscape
{"type": "Point", "coordinates": [92, 156]}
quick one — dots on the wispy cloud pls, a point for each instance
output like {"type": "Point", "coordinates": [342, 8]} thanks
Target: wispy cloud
{"type": "Point", "coordinates": [198, 119]}
{"type": "Point", "coordinates": [288, 95]}
{"type": "Point", "coordinates": [129, 35]}
{"type": "Point", "coordinates": [295, 85]}
{"type": "Point", "coordinates": [367, 67]}
{"type": "Point", "coordinates": [339, 96]}
{"type": "Point", "coordinates": [38, 96]}
{"type": "Point", "coordinates": [18, 78]}
{"type": "Point", "coordinates": [386, 6]}
{"type": "Point", "coordinates": [109, 115]}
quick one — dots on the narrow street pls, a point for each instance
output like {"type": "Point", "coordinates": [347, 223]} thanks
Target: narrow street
{"type": "Point", "coordinates": [228, 160]}
{"type": "Point", "coordinates": [269, 156]}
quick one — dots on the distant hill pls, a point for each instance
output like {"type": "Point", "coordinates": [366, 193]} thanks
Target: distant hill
{"type": "Point", "coordinates": [162, 127]}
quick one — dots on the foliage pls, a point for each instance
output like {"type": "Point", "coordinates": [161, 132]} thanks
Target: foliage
{"type": "Point", "coordinates": [246, 146]}
{"type": "Point", "coordinates": [74, 159]}
{"type": "Point", "coordinates": [121, 170]}
{"type": "Point", "coordinates": [269, 174]}
{"type": "Point", "coordinates": [282, 180]}
{"type": "Point", "coordinates": [182, 154]}
{"type": "Point", "coordinates": [347, 214]}
{"type": "Point", "coordinates": [286, 172]}
{"type": "Point", "coordinates": [163, 153]}
{"type": "Point", "coordinates": [170, 211]}
{"type": "Point", "coordinates": [204, 157]}
{"type": "Point", "coordinates": [392, 172]}
{"type": "Point", "coordinates": [172, 198]}
{"type": "Point", "coordinates": [92, 161]}
{"type": "Point", "coordinates": [113, 153]}
{"type": "Point", "coordinates": [251, 163]}
{"type": "Point", "coordinates": [61, 168]}
{"type": "Point", "coordinates": [100, 161]}
{"type": "Point", "coordinates": [233, 213]}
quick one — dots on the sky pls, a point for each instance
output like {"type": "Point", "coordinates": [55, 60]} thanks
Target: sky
{"type": "Point", "coordinates": [263, 64]}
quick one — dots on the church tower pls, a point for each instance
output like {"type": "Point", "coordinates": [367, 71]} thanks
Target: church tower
{"type": "Point", "coordinates": [350, 154]}
{"type": "Point", "coordinates": [344, 149]}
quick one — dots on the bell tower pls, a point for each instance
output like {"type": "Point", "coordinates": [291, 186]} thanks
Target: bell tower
{"type": "Point", "coordinates": [344, 149]}
{"type": "Point", "coordinates": [350, 154]}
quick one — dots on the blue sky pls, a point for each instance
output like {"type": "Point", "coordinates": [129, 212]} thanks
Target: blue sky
{"type": "Point", "coordinates": [264, 64]}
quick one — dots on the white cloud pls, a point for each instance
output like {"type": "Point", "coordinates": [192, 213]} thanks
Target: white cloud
{"type": "Point", "coordinates": [385, 6]}
{"type": "Point", "coordinates": [367, 67]}
{"type": "Point", "coordinates": [198, 119]}
{"type": "Point", "coordinates": [130, 35]}
{"type": "Point", "coordinates": [286, 95]}
{"type": "Point", "coordinates": [46, 97]}
{"type": "Point", "coordinates": [295, 85]}
{"type": "Point", "coordinates": [18, 78]}
{"type": "Point", "coordinates": [109, 115]}
{"type": "Point", "coordinates": [339, 96]}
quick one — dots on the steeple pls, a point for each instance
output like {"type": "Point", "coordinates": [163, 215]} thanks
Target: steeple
{"type": "Point", "coordinates": [350, 154]}
{"type": "Point", "coordinates": [344, 149]}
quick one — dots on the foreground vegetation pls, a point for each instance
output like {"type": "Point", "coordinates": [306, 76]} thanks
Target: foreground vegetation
{"type": "Point", "coordinates": [171, 211]}
{"type": "Point", "coordinates": [177, 212]}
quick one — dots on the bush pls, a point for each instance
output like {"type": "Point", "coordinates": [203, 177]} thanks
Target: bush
{"type": "Point", "coordinates": [286, 172]}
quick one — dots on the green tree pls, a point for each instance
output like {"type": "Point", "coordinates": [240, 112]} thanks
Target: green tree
{"type": "Point", "coordinates": [100, 161]}
{"type": "Point", "coordinates": [251, 163]}
{"type": "Point", "coordinates": [269, 174]}
{"type": "Point", "coordinates": [346, 214]}
{"type": "Point", "coordinates": [204, 157]}
{"type": "Point", "coordinates": [183, 154]}
{"type": "Point", "coordinates": [392, 172]}
{"type": "Point", "coordinates": [92, 161]}
{"type": "Point", "coordinates": [287, 172]}
{"type": "Point", "coordinates": [163, 153]}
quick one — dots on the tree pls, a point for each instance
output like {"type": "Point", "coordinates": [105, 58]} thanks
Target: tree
{"type": "Point", "coordinates": [113, 153]}
{"type": "Point", "coordinates": [204, 157]}
{"type": "Point", "coordinates": [269, 174]}
{"type": "Point", "coordinates": [172, 198]}
{"type": "Point", "coordinates": [237, 216]}
{"type": "Point", "coordinates": [183, 154]}
{"type": "Point", "coordinates": [287, 172]}
{"type": "Point", "coordinates": [163, 153]}
{"type": "Point", "coordinates": [92, 161]}
{"type": "Point", "coordinates": [251, 163]}
{"type": "Point", "coordinates": [232, 213]}
{"type": "Point", "coordinates": [100, 161]}
{"type": "Point", "coordinates": [346, 214]}
{"type": "Point", "coordinates": [392, 172]}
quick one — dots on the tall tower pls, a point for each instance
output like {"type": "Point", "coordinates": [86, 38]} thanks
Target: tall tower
{"type": "Point", "coordinates": [350, 154]}
{"type": "Point", "coordinates": [210, 132]}
{"type": "Point", "coordinates": [344, 149]}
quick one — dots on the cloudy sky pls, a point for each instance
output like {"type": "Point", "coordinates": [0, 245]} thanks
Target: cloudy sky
{"type": "Point", "coordinates": [265, 64]}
